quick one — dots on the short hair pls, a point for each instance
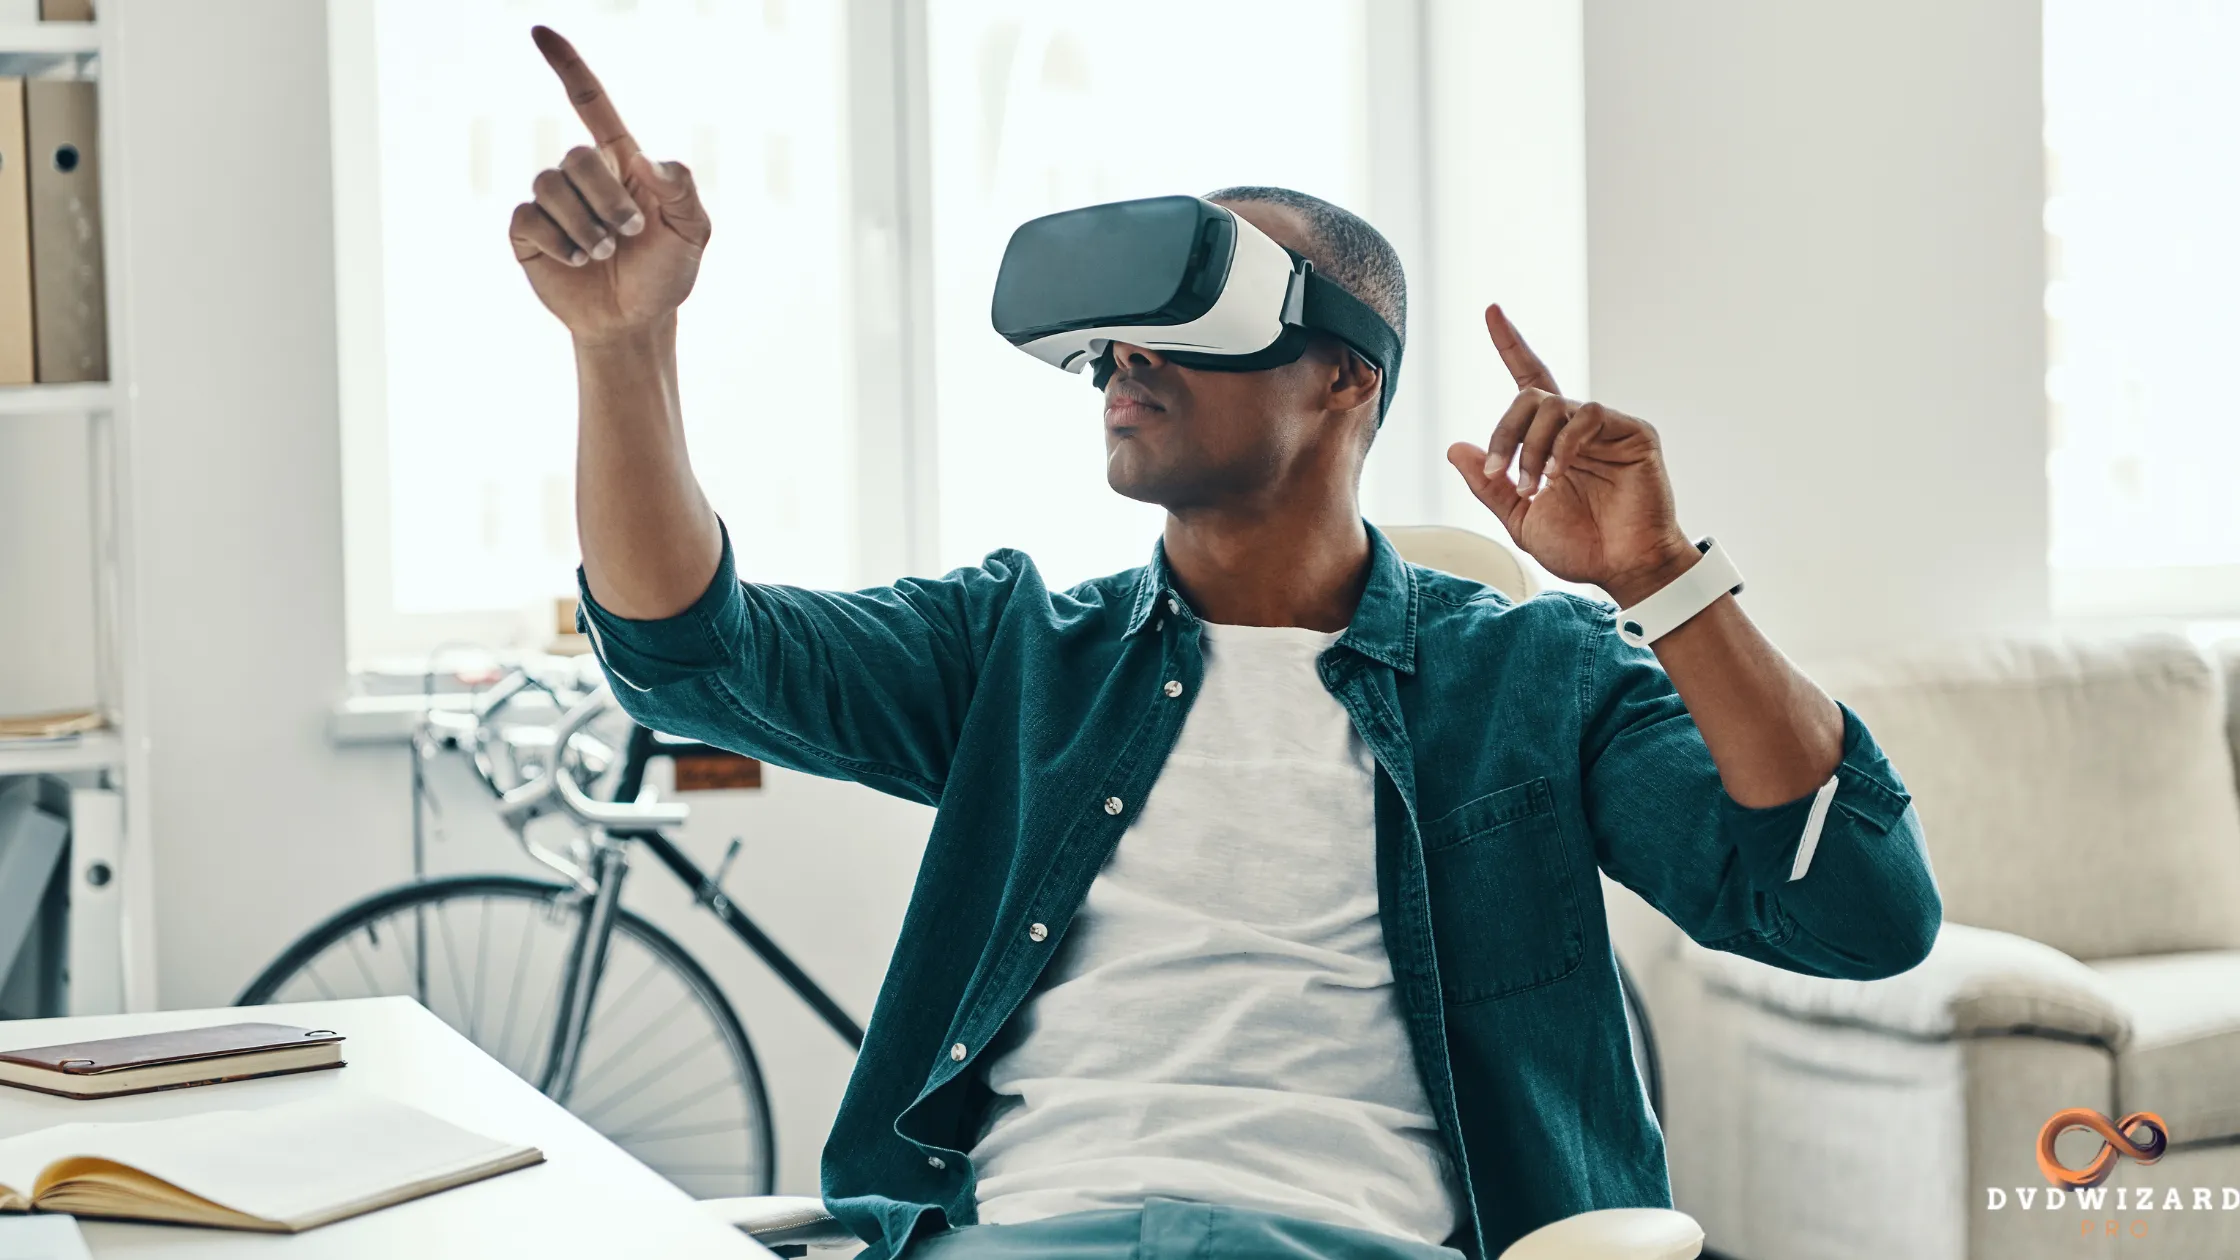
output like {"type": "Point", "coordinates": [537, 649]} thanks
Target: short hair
{"type": "Point", "coordinates": [1343, 247]}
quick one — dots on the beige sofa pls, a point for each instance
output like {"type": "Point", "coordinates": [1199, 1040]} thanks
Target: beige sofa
{"type": "Point", "coordinates": [2078, 798]}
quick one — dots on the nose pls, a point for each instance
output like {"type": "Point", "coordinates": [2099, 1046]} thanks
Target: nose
{"type": "Point", "coordinates": [1136, 357]}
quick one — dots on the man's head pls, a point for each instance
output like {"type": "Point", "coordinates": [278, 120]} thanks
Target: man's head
{"type": "Point", "coordinates": [1185, 437]}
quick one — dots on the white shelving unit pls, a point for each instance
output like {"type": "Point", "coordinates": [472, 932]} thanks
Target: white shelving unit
{"type": "Point", "coordinates": [117, 757]}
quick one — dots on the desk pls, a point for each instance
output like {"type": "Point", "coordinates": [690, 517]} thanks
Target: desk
{"type": "Point", "coordinates": [588, 1199]}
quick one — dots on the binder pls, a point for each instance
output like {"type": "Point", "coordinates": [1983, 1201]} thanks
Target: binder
{"type": "Point", "coordinates": [15, 241]}
{"type": "Point", "coordinates": [30, 847]}
{"type": "Point", "coordinates": [96, 935]}
{"type": "Point", "coordinates": [68, 319]}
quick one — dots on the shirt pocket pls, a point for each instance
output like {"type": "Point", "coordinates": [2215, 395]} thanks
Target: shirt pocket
{"type": "Point", "coordinates": [1504, 907]}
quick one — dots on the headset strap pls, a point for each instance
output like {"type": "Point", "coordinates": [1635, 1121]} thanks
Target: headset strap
{"type": "Point", "coordinates": [1328, 307]}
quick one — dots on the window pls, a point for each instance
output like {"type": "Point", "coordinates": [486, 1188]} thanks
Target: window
{"type": "Point", "coordinates": [2143, 186]}
{"type": "Point", "coordinates": [1039, 106]}
{"type": "Point", "coordinates": [851, 413]}
{"type": "Point", "coordinates": [460, 388]}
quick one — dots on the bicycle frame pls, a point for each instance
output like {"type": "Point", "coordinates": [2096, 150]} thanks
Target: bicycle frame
{"type": "Point", "coordinates": [612, 827]}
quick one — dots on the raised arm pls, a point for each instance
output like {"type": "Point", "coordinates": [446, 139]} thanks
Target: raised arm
{"type": "Point", "coordinates": [1590, 501]}
{"type": "Point", "coordinates": [1720, 782]}
{"type": "Point", "coordinates": [611, 242]}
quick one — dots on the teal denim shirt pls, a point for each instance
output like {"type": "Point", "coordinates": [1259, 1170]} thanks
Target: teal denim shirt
{"type": "Point", "coordinates": [1521, 748]}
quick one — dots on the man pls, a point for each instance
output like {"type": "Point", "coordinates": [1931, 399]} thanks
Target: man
{"type": "Point", "coordinates": [1260, 915]}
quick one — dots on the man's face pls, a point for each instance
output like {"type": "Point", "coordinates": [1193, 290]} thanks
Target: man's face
{"type": "Point", "coordinates": [1184, 437]}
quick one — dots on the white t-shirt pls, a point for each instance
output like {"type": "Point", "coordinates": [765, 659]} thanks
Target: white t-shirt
{"type": "Point", "coordinates": [1220, 1023]}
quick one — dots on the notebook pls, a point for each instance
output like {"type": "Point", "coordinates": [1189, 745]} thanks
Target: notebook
{"type": "Point", "coordinates": [282, 1169]}
{"type": "Point", "coordinates": [170, 1060]}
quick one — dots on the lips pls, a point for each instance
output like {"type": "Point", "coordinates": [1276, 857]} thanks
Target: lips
{"type": "Point", "coordinates": [1126, 402]}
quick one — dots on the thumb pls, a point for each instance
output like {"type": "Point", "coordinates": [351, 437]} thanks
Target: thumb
{"type": "Point", "coordinates": [667, 190]}
{"type": "Point", "coordinates": [670, 182]}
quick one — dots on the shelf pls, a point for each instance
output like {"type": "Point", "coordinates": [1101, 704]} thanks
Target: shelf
{"type": "Point", "coordinates": [49, 37]}
{"type": "Point", "coordinates": [56, 400]}
{"type": "Point", "coordinates": [100, 750]}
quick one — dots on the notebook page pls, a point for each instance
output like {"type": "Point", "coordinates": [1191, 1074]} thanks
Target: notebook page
{"type": "Point", "coordinates": [305, 1158]}
{"type": "Point", "coordinates": [22, 1156]}
{"type": "Point", "coordinates": [282, 1163]}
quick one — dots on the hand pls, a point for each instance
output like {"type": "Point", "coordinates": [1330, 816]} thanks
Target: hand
{"type": "Point", "coordinates": [1591, 501]}
{"type": "Point", "coordinates": [612, 241]}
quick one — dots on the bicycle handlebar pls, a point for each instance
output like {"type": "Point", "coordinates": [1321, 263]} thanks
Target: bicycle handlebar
{"type": "Point", "coordinates": [556, 785]}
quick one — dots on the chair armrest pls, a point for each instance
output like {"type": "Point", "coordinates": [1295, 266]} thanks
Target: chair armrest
{"type": "Point", "coordinates": [782, 1220]}
{"type": "Point", "coordinates": [1974, 982]}
{"type": "Point", "coordinates": [1613, 1234]}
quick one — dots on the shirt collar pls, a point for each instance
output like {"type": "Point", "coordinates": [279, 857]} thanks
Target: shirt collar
{"type": "Point", "coordinates": [1383, 627]}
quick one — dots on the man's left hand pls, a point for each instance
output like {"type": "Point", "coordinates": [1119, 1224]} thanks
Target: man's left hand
{"type": "Point", "coordinates": [1590, 500]}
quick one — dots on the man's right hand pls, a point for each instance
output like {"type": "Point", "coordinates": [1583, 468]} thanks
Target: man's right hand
{"type": "Point", "coordinates": [612, 241]}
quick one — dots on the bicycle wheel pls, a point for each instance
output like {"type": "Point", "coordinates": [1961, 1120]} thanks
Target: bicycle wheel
{"type": "Point", "coordinates": [666, 1071]}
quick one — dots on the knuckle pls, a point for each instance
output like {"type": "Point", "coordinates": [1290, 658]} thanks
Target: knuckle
{"type": "Point", "coordinates": [549, 182]}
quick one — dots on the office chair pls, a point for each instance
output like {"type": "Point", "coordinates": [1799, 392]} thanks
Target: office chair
{"type": "Point", "coordinates": [791, 1224]}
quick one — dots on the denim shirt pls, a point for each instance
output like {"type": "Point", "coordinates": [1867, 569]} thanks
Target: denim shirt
{"type": "Point", "coordinates": [1521, 748]}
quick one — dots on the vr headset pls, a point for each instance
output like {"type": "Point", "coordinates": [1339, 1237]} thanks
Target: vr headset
{"type": "Point", "coordinates": [1179, 275]}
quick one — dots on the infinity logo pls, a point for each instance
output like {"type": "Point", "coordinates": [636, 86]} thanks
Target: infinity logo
{"type": "Point", "coordinates": [2118, 1143]}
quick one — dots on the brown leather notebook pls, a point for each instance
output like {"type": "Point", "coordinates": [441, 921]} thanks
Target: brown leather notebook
{"type": "Point", "coordinates": [170, 1060]}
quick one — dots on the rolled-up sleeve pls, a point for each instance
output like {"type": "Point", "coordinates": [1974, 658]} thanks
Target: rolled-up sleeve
{"type": "Point", "coordinates": [1837, 887]}
{"type": "Point", "coordinates": [868, 685]}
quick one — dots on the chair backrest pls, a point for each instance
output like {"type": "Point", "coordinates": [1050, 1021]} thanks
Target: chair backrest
{"type": "Point", "coordinates": [2074, 790]}
{"type": "Point", "coordinates": [1464, 553]}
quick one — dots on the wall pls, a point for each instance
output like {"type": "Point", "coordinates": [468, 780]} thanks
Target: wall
{"type": "Point", "coordinates": [262, 825]}
{"type": "Point", "coordinates": [1816, 261]}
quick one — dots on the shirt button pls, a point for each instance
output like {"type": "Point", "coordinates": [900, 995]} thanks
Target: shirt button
{"type": "Point", "coordinates": [1112, 805]}
{"type": "Point", "coordinates": [936, 1163]}
{"type": "Point", "coordinates": [1174, 605]}
{"type": "Point", "coordinates": [1037, 932]}
{"type": "Point", "coordinates": [1174, 687]}
{"type": "Point", "coordinates": [957, 1052]}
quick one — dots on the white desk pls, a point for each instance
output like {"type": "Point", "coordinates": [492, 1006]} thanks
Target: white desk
{"type": "Point", "coordinates": [588, 1199]}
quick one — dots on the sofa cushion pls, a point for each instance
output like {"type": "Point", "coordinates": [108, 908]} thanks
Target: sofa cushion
{"type": "Point", "coordinates": [2183, 1062]}
{"type": "Point", "coordinates": [2076, 791]}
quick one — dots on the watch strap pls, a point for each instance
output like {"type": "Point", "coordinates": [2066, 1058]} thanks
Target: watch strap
{"type": "Point", "coordinates": [1674, 603]}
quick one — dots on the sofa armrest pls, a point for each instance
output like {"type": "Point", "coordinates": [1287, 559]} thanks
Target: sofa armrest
{"type": "Point", "coordinates": [1975, 982]}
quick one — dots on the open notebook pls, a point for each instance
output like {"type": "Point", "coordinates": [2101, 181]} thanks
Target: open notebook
{"type": "Point", "coordinates": [281, 1169]}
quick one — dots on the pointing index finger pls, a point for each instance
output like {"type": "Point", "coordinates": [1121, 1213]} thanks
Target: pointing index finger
{"type": "Point", "coordinates": [1523, 364]}
{"type": "Point", "coordinates": [592, 103]}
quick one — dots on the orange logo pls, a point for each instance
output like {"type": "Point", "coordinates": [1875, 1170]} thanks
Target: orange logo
{"type": "Point", "coordinates": [2120, 1140]}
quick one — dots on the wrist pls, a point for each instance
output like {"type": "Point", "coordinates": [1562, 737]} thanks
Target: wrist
{"type": "Point", "coordinates": [655, 336]}
{"type": "Point", "coordinates": [1653, 573]}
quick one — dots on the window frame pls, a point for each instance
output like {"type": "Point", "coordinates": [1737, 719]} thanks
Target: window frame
{"type": "Point", "coordinates": [888, 399]}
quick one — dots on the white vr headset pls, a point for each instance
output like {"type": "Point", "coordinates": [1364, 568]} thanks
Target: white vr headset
{"type": "Point", "coordinates": [1179, 275]}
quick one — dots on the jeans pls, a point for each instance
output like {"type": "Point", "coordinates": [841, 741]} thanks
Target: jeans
{"type": "Point", "coordinates": [1170, 1229]}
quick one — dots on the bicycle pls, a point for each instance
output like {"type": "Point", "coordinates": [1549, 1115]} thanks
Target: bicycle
{"type": "Point", "coordinates": [699, 1115]}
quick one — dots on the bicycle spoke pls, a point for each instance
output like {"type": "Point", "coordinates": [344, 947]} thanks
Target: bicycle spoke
{"type": "Point", "coordinates": [614, 1011]}
{"type": "Point", "coordinates": [684, 1003]}
{"type": "Point", "coordinates": [481, 957]}
{"type": "Point", "coordinates": [651, 1075]}
{"type": "Point", "coordinates": [318, 982]}
{"type": "Point", "coordinates": [373, 986]}
{"type": "Point", "coordinates": [513, 997]}
{"type": "Point", "coordinates": [679, 1104]}
{"type": "Point", "coordinates": [450, 954]}
{"type": "Point", "coordinates": [671, 1135]}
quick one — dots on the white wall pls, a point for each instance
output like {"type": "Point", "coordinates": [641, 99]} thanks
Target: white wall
{"type": "Point", "coordinates": [1816, 262]}
{"type": "Point", "coordinates": [262, 825]}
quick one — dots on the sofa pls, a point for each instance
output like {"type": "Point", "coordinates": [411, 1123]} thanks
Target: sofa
{"type": "Point", "coordinates": [2078, 799]}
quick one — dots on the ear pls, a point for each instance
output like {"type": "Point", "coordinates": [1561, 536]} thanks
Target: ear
{"type": "Point", "coordinates": [1356, 381]}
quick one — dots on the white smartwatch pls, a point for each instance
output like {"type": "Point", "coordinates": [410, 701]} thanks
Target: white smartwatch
{"type": "Point", "coordinates": [1681, 598]}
